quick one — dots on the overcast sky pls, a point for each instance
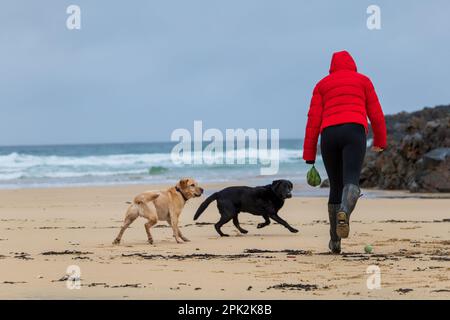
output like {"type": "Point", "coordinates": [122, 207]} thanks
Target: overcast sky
{"type": "Point", "coordinates": [137, 70]}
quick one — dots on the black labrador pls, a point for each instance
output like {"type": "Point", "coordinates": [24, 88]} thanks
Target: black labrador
{"type": "Point", "coordinates": [264, 201]}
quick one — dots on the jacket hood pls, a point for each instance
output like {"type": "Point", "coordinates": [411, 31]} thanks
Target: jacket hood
{"type": "Point", "coordinates": [342, 60]}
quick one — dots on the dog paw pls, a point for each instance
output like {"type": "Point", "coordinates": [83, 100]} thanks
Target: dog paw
{"type": "Point", "coordinates": [186, 240]}
{"type": "Point", "coordinates": [150, 241]}
{"type": "Point", "coordinates": [293, 230]}
{"type": "Point", "coordinates": [260, 225]}
{"type": "Point", "coordinates": [224, 235]}
{"type": "Point", "coordinates": [116, 241]}
{"type": "Point", "coordinates": [244, 231]}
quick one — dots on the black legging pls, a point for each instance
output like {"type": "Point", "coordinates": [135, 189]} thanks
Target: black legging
{"type": "Point", "coordinates": [343, 149]}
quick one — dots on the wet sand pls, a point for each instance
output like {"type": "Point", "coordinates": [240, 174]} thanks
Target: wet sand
{"type": "Point", "coordinates": [43, 231]}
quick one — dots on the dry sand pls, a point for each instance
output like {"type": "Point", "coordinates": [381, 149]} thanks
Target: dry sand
{"type": "Point", "coordinates": [410, 237]}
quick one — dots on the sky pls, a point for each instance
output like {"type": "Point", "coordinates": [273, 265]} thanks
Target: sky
{"type": "Point", "coordinates": [137, 70]}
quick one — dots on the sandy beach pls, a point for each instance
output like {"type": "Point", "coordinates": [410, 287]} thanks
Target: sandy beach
{"type": "Point", "coordinates": [43, 231]}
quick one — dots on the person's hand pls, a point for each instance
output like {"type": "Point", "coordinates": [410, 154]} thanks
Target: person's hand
{"type": "Point", "coordinates": [377, 149]}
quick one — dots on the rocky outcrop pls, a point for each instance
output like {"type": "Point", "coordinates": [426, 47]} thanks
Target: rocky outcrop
{"type": "Point", "coordinates": [325, 183]}
{"type": "Point", "coordinates": [417, 157]}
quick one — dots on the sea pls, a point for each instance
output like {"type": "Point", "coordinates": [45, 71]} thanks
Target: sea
{"type": "Point", "coordinates": [137, 163]}
{"type": "Point", "coordinates": [115, 164]}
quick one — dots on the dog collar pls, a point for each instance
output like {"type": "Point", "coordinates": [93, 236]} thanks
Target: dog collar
{"type": "Point", "coordinates": [182, 194]}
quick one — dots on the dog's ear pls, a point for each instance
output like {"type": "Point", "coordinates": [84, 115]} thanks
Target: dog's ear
{"type": "Point", "coordinates": [275, 184]}
{"type": "Point", "coordinates": [183, 183]}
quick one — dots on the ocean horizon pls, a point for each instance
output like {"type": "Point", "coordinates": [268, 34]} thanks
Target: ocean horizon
{"type": "Point", "coordinates": [98, 164]}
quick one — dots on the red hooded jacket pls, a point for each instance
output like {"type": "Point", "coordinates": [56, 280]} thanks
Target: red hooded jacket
{"type": "Point", "coordinates": [344, 96]}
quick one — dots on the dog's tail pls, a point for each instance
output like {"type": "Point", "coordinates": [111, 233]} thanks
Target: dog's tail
{"type": "Point", "coordinates": [145, 197]}
{"type": "Point", "coordinates": [205, 204]}
{"type": "Point", "coordinates": [143, 200]}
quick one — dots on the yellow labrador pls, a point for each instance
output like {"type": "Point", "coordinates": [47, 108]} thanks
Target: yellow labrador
{"type": "Point", "coordinates": [161, 205]}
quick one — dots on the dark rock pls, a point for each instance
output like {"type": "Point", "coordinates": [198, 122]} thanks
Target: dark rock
{"type": "Point", "coordinates": [325, 183]}
{"type": "Point", "coordinates": [434, 171]}
{"type": "Point", "coordinates": [438, 155]}
{"type": "Point", "coordinates": [417, 157]}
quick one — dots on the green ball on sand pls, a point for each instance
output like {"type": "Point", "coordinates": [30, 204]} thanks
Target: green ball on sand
{"type": "Point", "coordinates": [368, 248]}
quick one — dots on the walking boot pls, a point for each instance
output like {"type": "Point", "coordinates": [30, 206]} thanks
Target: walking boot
{"type": "Point", "coordinates": [350, 195]}
{"type": "Point", "coordinates": [335, 240]}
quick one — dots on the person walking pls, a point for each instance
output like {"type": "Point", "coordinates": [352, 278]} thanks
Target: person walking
{"type": "Point", "coordinates": [339, 108]}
